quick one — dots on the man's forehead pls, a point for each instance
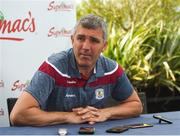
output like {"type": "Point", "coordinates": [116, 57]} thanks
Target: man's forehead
{"type": "Point", "coordinates": [89, 32]}
{"type": "Point", "coordinates": [81, 28]}
{"type": "Point", "coordinates": [90, 36]}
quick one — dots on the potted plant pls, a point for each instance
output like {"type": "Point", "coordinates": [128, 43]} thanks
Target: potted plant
{"type": "Point", "coordinates": [144, 37]}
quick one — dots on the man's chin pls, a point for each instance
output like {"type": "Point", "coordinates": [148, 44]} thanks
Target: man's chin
{"type": "Point", "coordinates": [85, 65]}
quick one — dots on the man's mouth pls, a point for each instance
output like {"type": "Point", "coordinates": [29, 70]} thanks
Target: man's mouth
{"type": "Point", "coordinates": [85, 56]}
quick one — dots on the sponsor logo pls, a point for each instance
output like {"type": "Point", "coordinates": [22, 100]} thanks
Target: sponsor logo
{"type": "Point", "coordinates": [16, 26]}
{"type": "Point", "coordinates": [59, 6]}
{"type": "Point", "coordinates": [70, 95]}
{"type": "Point", "coordinates": [19, 85]}
{"type": "Point", "coordinates": [71, 82]}
{"type": "Point", "coordinates": [1, 83]}
{"type": "Point", "coordinates": [1, 112]}
{"type": "Point", "coordinates": [54, 32]}
{"type": "Point", "coordinates": [99, 93]}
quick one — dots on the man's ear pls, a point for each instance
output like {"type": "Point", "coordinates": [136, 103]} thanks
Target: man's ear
{"type": "Point", "coordinates": [72, 39]}
{"type": "Point", "coordinates": [105, 46]}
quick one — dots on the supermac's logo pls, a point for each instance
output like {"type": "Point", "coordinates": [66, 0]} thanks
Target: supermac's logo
{"type": "Point", "coordinates": [18, 85]}
{"type": "Point", "coordinates": [59, 6]}
{"type": "Point", "coordinates": [19, 25]}
{"type": "Point", "coordinates": [54, 32]}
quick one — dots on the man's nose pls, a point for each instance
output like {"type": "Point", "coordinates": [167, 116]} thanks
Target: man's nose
{"type": "Point", "coordinates": [86, 44]}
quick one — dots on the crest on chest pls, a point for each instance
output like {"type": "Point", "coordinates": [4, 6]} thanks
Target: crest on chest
{"type": "Point", "coordinates": [99, 93]}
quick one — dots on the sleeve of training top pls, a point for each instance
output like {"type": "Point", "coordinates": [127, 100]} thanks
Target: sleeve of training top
{"type": "Point", "coordinates": [41, 85]}
{"type": "Point", "coordinates": [123, 88]}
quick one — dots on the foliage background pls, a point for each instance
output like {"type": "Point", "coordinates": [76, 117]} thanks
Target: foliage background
{"type": "Point", "coordinates": [143, 37]}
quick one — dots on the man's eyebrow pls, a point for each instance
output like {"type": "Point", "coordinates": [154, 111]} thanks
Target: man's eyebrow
{"type": "Point", "coordinates": [92, 37]}
{"type": "Point", "coordinates": [81, 35]}
{"type": "Point", "coordinates": [99, 39]}
{"type": "Point", "coordinates": [95, 38]}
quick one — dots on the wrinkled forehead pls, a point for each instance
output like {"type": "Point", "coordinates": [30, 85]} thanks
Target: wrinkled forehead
{"type": "Point", "coordinates": [96, 32]}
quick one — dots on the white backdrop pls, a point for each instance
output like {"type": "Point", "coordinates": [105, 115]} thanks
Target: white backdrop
{"type": "Point", "coordinates": [31, 31]}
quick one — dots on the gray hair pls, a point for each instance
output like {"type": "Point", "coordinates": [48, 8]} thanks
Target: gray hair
{"type": "Point", "coordinates": [92, 22]}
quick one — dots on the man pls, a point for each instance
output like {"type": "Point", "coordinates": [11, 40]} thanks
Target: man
{"type": "Point", "coordinates": [74, 86]}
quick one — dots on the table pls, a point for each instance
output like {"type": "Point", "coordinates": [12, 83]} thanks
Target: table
{"type": "Point", "coordinates": [157, 129]}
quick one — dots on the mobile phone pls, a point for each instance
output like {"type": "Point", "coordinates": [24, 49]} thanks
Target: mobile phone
{"type": "Point", "coordinates": [139, 125]}
{"type": "Point", "coordinates": [161, 118]}
{"type": "Point", "coordinates": [86, 130]}
{"type": "Point", "coordinates": [117, 129]}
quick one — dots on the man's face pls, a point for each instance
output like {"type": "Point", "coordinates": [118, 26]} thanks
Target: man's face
{"type": "Point", "coordinates": [87, 45]}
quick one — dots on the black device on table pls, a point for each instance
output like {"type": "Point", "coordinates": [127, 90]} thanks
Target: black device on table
{"type": "Point", "coordinates": [86, 130]}
{"type": "Point", "coordinates": [119, 129]}
{"type": "Point", "coordinates": [161, 118]}
{"type": "Point", "coordinates": [139, 125]}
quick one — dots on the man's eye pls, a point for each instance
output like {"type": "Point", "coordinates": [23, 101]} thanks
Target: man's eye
{"type": "Point", "coordinates": [94, 40]}
{"type": "Point", "coordinates": [80, 38]}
